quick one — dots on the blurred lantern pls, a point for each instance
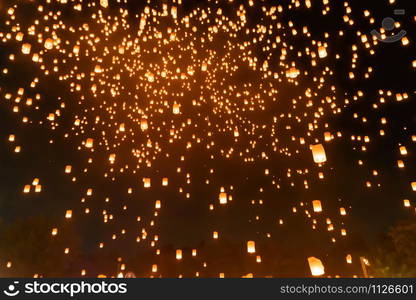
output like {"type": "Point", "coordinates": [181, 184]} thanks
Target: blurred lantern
{"type": "Point", "coordinates": [154, 268]}
{"type": "Point", "coordinates": [251, 247]}
{"type": "Point", "coordinates": [165, 181]}
{"type": "Point", "coordinates": [89, 143]}
{"type": "Point", "coordinates": [176, 109]}
{"type": "Point", "coordinates": [316, 266]}
{"type": "Point", "coordinates": [26, 48]}
{"type": "Point", "coordinates": [317, 206]}
{"type": "Point", "coordinates": [157, 204]}
{"type": "Point", "coordinates": [318, 153]}
{"type": "Point", "coordinates": [147, 182]}
{"type": "Point", "coordinates": [178, 254]}
{"type": "Point", "coordinates": [322, 52]}
{"type": "Point", "coordinates": [49, 44]}
{"type": "Point", "coordinates": [223, 198]}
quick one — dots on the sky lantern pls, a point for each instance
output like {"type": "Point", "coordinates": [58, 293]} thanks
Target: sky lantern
{"type": "Point", "coordinates": [26, 189]}
{"type": "Point", "coordinates": [26, 48]}
{"type": "Point", "coordinates": [317, 206]}
{"type": "Point", "coordinates": [316, 266]}
{"type": "Point", "coordinates": [49, 43]}
{"type": "Point", "coordinates": [68, 214]}
{"type": "Point", "coordinates": [176, 109]}
{"type": "Point", "coordinates": [178, 254]}
{"type": "Point", "coordinates": [89, 143]}
{"type": "Point", "coordinates": [322, 52]}
{"type": "Point", "coordinates": [154, 268]}
{"type": "Point", "coordinates": [349, 259]}
{"type": "Point", "coordinates": [146, 182]}
{"type": "Point", "coordinates": [104, 3]}
{"type": "Point", "coordinates": [165, 181]}
{"type": "Point", "coordinates": [223, 198]}
{"type": "Point", "coordinates": [403, 150]}
{"type": "Point", "coordinates": [251, 247]}
{"type": "Point", "coordinates": [68, 169]}
{"type": "Point", "coordinates": [413, 184]}
{"type": "Point", "coordinates": [143, 124]}
{"type": "Point", "coordinates": [54, 231]}
{"type": "Point", "coordinates": [406, 203]}
{"type": "Point", "coordinates": [318, 152]}
{"type": "Point", "coordinates": [157, 204]}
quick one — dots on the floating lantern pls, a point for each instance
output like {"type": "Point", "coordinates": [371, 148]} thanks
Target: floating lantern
{"type": "Point", "coordinates": [165, 181]}
{"type": "Point", "coordinates": [89, 143]}
{"type": "Point", "coordinates": [143, 124]}
{"type": "Point", "coordinates": [316, 266]}
{"type": "Point", "coordinates": [251, 247]}
{"type": "Point", "coordinates": [154, 268]}
{"type": "Point", "coordinates": [157, 204]}
{"type": "Point", "coordinates": [26, 189]}
{"type": "Point", "coordinates": [223, 198]}
{"type": "Point", "coordinates": [104, 3]}
{"type": "Point", "coordinates": [49, 44]}
{"type": "Point", "coordinates": [68, 214]}
{"type": "Point", "coordinates": [176, 109]}
{"type": "Point", "coordinates": [322, 52]}
{"type": "Point", "coordinates": [318, 152]}
{"type": "Point", "coordinates": [146, 182]}
{"type": "Point", "coordinates": [349, 259]}
{"type": "Point", "coordinates": [68, 169]}
{"type": "Point", "coordinates": [317, 206]}
{"type": "Point", "coordinates": [179, 254]}
{"type": "Point", "coordinates": [26, 48]}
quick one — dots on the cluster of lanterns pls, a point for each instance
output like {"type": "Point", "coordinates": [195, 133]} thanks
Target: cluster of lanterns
{"type": "Point", "coordinates": [200, 83]}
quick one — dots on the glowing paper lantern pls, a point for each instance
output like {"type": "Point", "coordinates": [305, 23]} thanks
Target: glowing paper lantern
{"type": "Point", "coordinates": [143, 124]}
{"type": "Point", "coordinates": [157, 204]}
{"type": "Point", "coordinates": [104, 3]}
{"type": "Point", "coordinates": [318, 152]}
{"type": "Point", "coordinates": [349, 259]}
{"type": "Point", "coordinates": [223, 198]}
{"type": "Point", "coordinates": [26, 189]}
{"type": "Point", "coordinates": [147, 182]}
{"type": "Point", "coordinates": [68, 214]}
{"type": "Point", "coordinates": [406, 203]}
{"type": "Point", "coordinates": [49, 44]}
{"type": "Point", "coordinates": [89, 143]}
{"type": "Point", "coordinates": [176, 109]}
{"type": "Point", "coordinates": [26, 48]}
{"type": "Point", "coordinates": [317, 206]}
{"type": "Point", "coordinates": [165, 181]}
{"type": "Point", "coordinates": [316, 266]}
{"type": "Point", "coordinates": [154, 268]}
{"type": "Point", "coordinates": [68, 169]}
{"type": "Point", "coordinates": [322, 52]}
{"type": "Point", "coordinates": [251, 247]}
{"type": "Point", "coordinates": [414, 186]}
{"type": "Point", "coordinates": [178, 254]}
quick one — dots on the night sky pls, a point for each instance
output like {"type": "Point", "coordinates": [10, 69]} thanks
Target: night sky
{"type": "Point", "coordinates": [203, 109]}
